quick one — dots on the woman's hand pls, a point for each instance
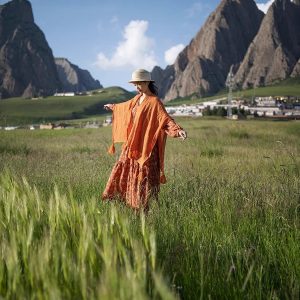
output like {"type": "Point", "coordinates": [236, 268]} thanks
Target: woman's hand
{"type": "Point", "coordinates": [108, 106]}
{"type": "Point", "coordinates": [182, 134]}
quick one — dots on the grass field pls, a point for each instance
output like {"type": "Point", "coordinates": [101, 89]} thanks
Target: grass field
{"type": "Point", "coordinates": [20, 111]}
{"type": "Point", "coordinates": [226, 225]}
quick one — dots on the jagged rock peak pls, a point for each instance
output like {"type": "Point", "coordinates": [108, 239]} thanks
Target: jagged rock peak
{"type": "Point", "coordinates": [202, 67]}
{"type": "Point", "coordinates": [26, 61]}
{"type": "Point", "coordinates": [275, 51]}
{"type": "Point", "coordinates": [17, 11]}
{"type": "Point", "coordinates": [163, 79]}
{"type": "Point", "coordinates": [73, 78]}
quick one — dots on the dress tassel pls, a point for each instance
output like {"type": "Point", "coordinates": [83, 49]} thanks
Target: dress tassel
{"type": "Point", "coordinates": [163, 179]}
{"type": "Point", "coordinates": [112, 149]}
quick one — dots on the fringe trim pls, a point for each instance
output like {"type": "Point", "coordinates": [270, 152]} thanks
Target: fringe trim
{"type": "Point", "coordinates": [163, 179]}
{"type": "Point", "coordinates": [112, 149]}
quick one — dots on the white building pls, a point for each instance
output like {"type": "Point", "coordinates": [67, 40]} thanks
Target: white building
{"type": "Point", "coordinates": [107, 121]}
{"type": "Point", "coordinates": [68, 94]}
{"type": "Point", "coordinates": [10, 127]}
{"type": "Point", "coordinates": [185, 110]}
{"type": "Point", "coordinates": [92, 125]}
{"type": "Point", "coordinates": [265, 101]}
{"type": "Point", "coordinates": [263, 111]}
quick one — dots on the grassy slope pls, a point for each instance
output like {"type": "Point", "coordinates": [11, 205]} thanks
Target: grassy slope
{"type": "Point", "coordinates": [20, 111]}
{"type": "Point", "coordinates": [226, 224]}
{"type": "Point", "coordinates": [289, 87]}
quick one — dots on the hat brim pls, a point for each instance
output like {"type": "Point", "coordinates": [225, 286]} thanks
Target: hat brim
{"type": "Point", "coordinates": [132, 81]}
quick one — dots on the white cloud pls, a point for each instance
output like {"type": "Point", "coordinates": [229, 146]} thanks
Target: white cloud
{"type": "Point", "coordinates": [264, 6]}
{"type": "Point", "coordinates": [135, 50]}
{"type": "Point", "coordinates": [171, 54]}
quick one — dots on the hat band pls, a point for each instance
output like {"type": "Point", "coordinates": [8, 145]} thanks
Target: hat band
{"type": "Point", "coordinates": [140, 75]}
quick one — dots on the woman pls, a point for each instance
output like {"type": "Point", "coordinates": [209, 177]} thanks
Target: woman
{"type": "Point", "coordinates": [142, 124]}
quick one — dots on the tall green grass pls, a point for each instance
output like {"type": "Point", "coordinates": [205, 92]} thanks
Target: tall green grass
{"type": "Point", "coordinates": [63, 249]}
{"type": "Point", "coordinates": [226, 225]}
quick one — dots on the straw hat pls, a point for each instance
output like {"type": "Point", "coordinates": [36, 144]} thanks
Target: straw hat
{"type": "Point", "coordinates": [140, 75]}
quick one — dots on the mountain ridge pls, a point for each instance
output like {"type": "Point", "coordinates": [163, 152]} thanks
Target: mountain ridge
{"type": "Point", "coordinates": [202, 66]}
{"type": "Point", "coordinates": [226, 40]}
{"type": "Point", "coordinates": [73, 78]}
{"type": "Point", "coordinates": [275, 51]}
{"type": "Point", "coordinates": [27, 64]}
{"type": "Point", "coordinates": [22, 71]}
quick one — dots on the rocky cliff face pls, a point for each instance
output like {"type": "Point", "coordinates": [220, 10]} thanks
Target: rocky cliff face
{"type": "Point", "coordinates": [73, 78]}
{"type": "Point", "coordinates": [275, 52]}
{"type": "Point", "coordinates": [202, 67]}
{"type": "Point", "coordinates": [27, 65]}
{"type": "Point", "coordinates": [163, 79]}
{"type": "Point", "coordinates": [296, 70]}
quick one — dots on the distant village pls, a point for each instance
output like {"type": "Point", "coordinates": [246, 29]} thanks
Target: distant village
{"type": "Point", "coordinates": [284, 108]}
{"type": "Point", "coordinates": [71, 94]}
{"type": "Point", "coordinates": [268, 107]}
{"type": "Point", "coordinates": [62, 125]}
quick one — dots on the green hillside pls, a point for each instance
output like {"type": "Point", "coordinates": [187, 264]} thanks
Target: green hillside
{"type": "Point", "coordinates": [18, 111]}
{"type": "Point", "coordinates": [288, 87]}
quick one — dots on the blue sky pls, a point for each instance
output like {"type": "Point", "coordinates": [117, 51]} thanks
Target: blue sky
{"type": "Point", "coordinates": [112, 38]}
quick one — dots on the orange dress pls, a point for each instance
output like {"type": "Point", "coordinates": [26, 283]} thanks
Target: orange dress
{"type": "Point", "coordinates": [132, 181]}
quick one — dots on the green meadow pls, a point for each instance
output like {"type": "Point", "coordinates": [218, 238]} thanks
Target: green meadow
{"type": "Point", "coordinates": [18, 111]}
{"type": "Point", "coordinates": [226, 225]}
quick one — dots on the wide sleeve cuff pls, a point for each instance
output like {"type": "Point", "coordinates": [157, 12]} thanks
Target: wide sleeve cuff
{"type": "Point", "coordinates": [171, 128]}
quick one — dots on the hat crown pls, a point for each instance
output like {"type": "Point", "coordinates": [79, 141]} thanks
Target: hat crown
{"type": "Point", "coordinates": [140, 75]}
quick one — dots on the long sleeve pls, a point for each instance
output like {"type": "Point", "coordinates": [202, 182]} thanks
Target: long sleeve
{"type": "Point", "coordinates": [171, 128]}
{"type": "Point", "coordinates": [121, 120]}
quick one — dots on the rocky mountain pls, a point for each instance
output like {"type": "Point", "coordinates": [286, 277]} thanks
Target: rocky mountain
{"type": "Point", "coordinates": [27, 65]}
{"type": "Point", "coordinates": [163, 79]}
{"type": "Point", "coordinates": [202, 67]}
{"type": "Point", "coordinates": [73, 78]}
{"type": "Point", "coordinates": [296, 70]}
{"type": "Point", "coordinates": [274, 54]}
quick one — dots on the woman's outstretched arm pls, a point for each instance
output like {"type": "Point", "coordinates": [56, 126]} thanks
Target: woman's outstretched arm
{"type": "Point", "coordinates": [174, 130]}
